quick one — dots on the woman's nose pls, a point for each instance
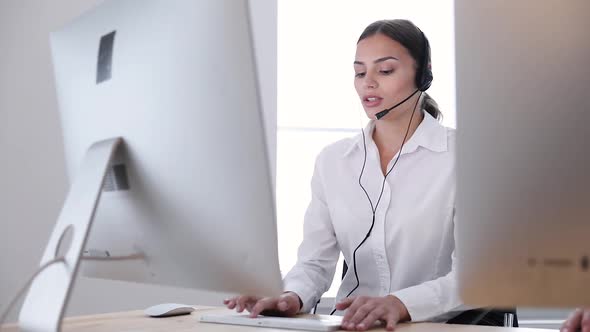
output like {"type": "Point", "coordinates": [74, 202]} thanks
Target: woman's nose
{"type": "Point", "coordinates": [370, 83]}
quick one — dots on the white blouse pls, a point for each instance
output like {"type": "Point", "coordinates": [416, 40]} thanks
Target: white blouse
{"type": "Point", "coordinates": [410, 252]}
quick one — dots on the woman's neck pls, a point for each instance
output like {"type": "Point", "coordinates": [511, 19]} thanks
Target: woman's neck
{"type": "Point", "coordinates": [389, 132]}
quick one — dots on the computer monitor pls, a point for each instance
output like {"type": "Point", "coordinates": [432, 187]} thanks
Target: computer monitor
{"type": "Point", "coordinates": [523, 152]}
{"type": "Point", "coordinates": [162, 97]}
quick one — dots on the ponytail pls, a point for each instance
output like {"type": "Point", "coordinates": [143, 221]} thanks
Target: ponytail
{"type": "Point", "coordinates": [431, 107]}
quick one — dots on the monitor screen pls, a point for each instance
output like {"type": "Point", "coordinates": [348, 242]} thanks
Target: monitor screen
{"type": "Point", "coordinates": [523, 161]}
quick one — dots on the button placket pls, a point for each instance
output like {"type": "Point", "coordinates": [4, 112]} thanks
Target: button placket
{"type": "Point", "coordinates": [378, 240]}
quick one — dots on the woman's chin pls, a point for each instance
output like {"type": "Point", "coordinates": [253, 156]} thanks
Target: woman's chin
{"type": "Point", "coordinates": [371, 114]}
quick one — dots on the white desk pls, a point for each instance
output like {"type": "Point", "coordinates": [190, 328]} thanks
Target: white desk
{"type": "Point", "coordinates": [136, 321]}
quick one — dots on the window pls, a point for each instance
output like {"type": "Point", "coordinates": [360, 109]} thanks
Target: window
{"type": "Point", "coordinates": [317, 103]}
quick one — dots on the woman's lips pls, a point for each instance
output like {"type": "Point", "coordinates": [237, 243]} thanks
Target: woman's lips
{"type": "Point", "coordinates": [372, 101]}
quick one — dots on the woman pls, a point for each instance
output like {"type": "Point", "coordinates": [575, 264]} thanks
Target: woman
{"type": "Point", "coordinates": [385, 198]}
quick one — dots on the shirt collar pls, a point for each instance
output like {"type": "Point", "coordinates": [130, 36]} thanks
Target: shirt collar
{"type": "Point", "coordinates": [430, 134]}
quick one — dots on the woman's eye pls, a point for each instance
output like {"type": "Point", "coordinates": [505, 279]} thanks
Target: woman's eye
{"type": "Point", "coordinates": [359, 74]}
{"type": "Point", "coordinates": [386, 72]}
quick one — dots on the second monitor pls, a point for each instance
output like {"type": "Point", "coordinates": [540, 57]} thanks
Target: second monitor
{"type": "Point", "coordinates": [187, 200]}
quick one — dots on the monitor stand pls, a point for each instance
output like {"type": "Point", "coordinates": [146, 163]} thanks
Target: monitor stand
{"type": "Point", "coordinates": [44, 306]}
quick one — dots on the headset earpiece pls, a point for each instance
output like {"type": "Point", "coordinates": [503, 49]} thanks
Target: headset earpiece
{"type": "Point", "coordinates": [424, 73]}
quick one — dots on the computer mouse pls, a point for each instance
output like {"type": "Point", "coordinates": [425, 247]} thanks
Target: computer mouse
{"type": "Point", "coordinates": [168, 309]}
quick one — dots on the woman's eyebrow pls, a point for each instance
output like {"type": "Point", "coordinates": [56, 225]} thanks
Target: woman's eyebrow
{"type": "Point", "coordinates": [378, 60]}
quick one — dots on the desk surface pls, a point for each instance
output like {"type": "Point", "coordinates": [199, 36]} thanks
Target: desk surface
{"type": "Point", "coordinates": [136, 321]}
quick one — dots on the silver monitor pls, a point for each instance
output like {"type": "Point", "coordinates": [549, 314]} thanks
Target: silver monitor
{"type": "Point", "coordinates": [161, 122]}
{"type": "Point", "coordinates": [523, 152]}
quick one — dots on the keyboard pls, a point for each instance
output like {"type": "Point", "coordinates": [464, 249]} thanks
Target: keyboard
{"type": "Point", "coordinates": [311, 323]}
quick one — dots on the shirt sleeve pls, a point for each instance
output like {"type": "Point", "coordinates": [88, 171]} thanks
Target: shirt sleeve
{"type": "Point", "coordinates": [318, 253]}
{"type": "Point", "coordinates": [434, 300]}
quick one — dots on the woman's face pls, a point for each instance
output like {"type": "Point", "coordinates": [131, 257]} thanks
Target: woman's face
{"type": "Point", "coordinates": [384, 74]}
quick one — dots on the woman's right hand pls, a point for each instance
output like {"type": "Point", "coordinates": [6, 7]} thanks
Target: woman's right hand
{"type": "Point", "coordinates": [579, 320]}
{"type": "Point", "coordinates": [287, 305]}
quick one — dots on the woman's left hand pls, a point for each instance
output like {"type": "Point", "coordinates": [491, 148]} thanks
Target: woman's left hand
{"type": "Point", "coordinates": [364, 311]}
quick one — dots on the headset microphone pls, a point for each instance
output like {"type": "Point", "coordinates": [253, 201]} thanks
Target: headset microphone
{"type": "Point", "coordinates": [387, 110]}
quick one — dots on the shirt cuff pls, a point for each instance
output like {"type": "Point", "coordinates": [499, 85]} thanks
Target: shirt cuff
{"type": "Point", "coordinates": [419, 302]}
{"type": "Point", "coordinates": [306, 295]}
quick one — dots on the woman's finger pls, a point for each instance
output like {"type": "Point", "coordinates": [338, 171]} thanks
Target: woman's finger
{"type": "Point", "coordinates": [230, 303]}
{"type": "Point", "coordinates": [345, 303]}
{"type": "Point", "coordinates": [241, 302]}
{"type": "Point", "coordinates": [267, 303]}
{"type": "Point", "coordinates": [371, 318]}
{"type": "Point", "coordinates": [361, 313]}
{"type": "Point", "coordinates": [585, 323]}
{"type": "Point", "coordinates": [391, 320]}
{"type": "Point", "coordinates": [573, 322]}
{"type": "Point", "coordinates": [351, 311]}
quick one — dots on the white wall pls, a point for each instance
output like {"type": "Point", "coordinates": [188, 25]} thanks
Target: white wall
{"type": "Point", "coordinates": [32, 170]}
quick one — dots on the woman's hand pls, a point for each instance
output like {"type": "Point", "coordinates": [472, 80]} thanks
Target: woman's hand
{"type": "Point", "coordinates": [288, 305]}
{"type": "Point", "coordinates": [364, 311]}
{"type": "Point", "coordinates": [578, 320]}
